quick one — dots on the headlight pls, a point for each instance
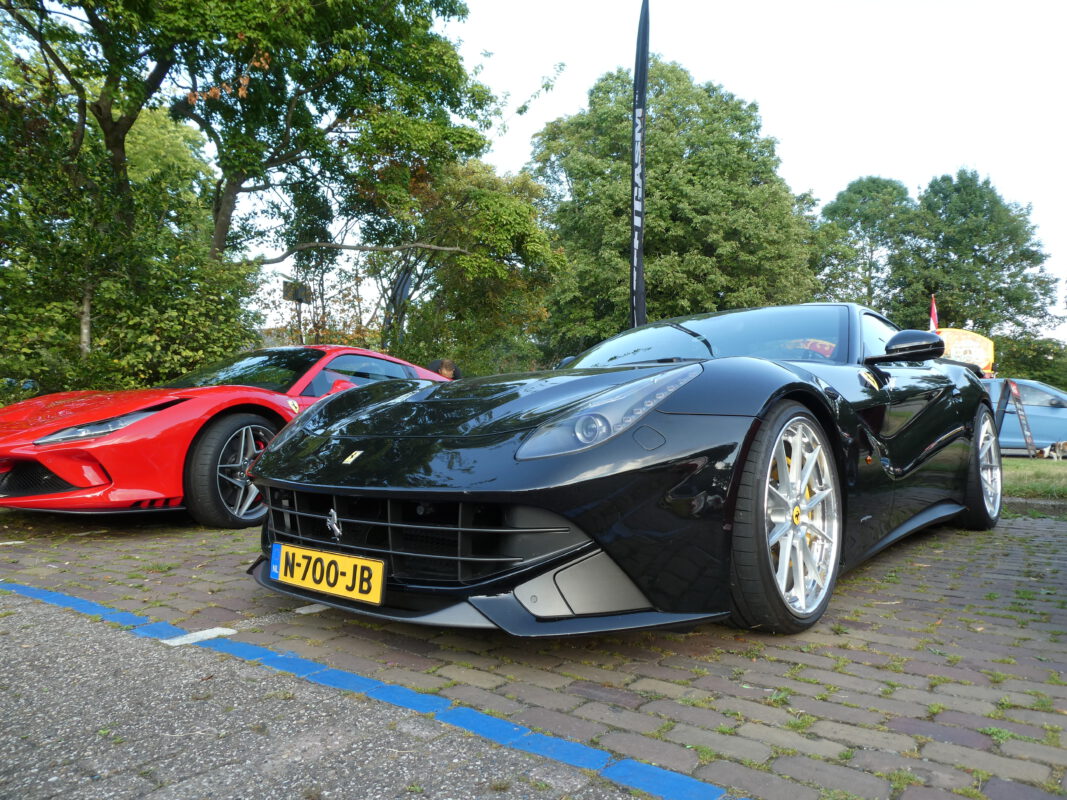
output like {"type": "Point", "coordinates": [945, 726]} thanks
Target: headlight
{"type": "Point", "coordinates": [606, 415]}
{"type": "Point", "coordinates": [94, 429]}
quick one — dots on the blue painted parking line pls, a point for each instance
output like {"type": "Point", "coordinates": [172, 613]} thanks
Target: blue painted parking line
{"type": "Point", "coordinates": [654, 780]}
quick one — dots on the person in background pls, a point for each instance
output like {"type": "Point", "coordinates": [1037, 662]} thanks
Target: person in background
{"type": "Point", "coordinates": [445, 367]}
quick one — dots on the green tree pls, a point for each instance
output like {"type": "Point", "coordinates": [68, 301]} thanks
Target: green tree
{"type": "Point", "coordinates": [478, 297]}
{"type": "Point", "coordinates": [722, 228]}
{"type": "Point", "coordinates": [1033, 357]}
{"type": "Point", "coordinates": [874, 215]}
{"type": "Point", "coordinates": [978, 254]}
{"type": "Point", "coordinates": [357, 94]}
{"type": "Point", "coordinates": [71, 264]}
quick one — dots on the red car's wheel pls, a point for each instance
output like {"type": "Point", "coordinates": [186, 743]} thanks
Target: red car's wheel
{"type": "Point", "coordinates": [218, 492]}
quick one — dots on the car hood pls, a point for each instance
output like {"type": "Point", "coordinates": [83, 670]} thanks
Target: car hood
{"type": "Point", "coordinates": [51, 412]}
{"type": "Point", "coordinates": [470, 407]}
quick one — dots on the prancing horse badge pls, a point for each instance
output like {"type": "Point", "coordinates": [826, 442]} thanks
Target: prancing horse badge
{"type": "Point", "coordinates": [352, 456]}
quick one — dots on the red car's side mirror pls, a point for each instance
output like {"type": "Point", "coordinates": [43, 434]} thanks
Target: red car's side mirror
{"type": "Point", "coordinates": [340, 386]}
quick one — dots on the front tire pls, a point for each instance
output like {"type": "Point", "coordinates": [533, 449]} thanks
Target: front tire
{"type": "Point", "coordinates": [787, 526]}
{"type": "Point", "coordinates": [983, 494]}
{"type": "Point", "coordinates": [218, 493]}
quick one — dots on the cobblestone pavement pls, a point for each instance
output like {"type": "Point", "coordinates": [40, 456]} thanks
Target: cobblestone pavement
{"type": "Point", "coordinates": [939, 671]}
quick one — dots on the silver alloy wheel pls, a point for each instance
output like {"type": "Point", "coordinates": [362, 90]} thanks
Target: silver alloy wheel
{"type": "Point", "coordinates": [238, 493]}
{"type": "Point", "coordinates": [989, 466]}
{"type": "Point", "coordinates": [803, 521]}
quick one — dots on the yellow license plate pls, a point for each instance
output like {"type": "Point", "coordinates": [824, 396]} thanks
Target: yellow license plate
{"type": "Point", "coordinates": [345, 576]}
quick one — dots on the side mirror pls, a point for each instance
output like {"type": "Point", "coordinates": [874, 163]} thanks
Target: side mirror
{"type": "Point", "coordinates": [564, 362]}
{"type": "Point", "coordinates": [910, 346]}
{"type": "Point", "coordinates": [340, 386]}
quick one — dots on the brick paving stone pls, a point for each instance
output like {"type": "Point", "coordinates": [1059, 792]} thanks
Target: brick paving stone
{"type": "Point", "coordinates": [887, 676]}
{"type": "Point", "coordinates": [857, 656]}
{"type": "Point", "coordinates": [1036, 718]}
{"type": "Point", "coordinates": [933, 774]}
{"type": "Point", "coordinates": [835, 711]}
{"type": "Point", "coordinates": [619, 718]}
{"type": "Point", "coordinates": [474, 677]}
{"type": "Point", "coordinates": [1039, 683]}
{"type": "Point", "coordinates": [997, 789]}
{"type": "Point", "coordinates": [957, 674]}
{"type": "Point", "coordinates": [977, 723]}
{"type": "Point", "coordinates": [481, 699]}
{"type": "Point", "coordinates": [651, 670]}
{"type": "Point", "coordinates": [758, 785]}
{"type": "Point", "coordinates": [667, 689]}
{"type": "Point", "coordinates": [560, 724]}
{"type": "Point", "coordinates": [993, 694]}
{"type": "Point", "coordinates": [790, 740]}
{"type": "Point", "coordinates": [756, 712]}
{"type": "Point", "coordinates": [855, 736]}
{"type": "Point", "coordinates": [395, 657]}
{"type": "Point", "coordinates": [956, 703]}
{"type": "Point", "coordinates": [722, 743]}
{"type": "Point", "coordinates": [695, 715]}
{"type": "Point", "coordinates": [514, 655]}
{"type": "Point", "coordinates": [1032, 751]}
{"type": "Point", "coordinates": [885, 705]}
{"type": "Point", "coordinates": [654, 751]}
{"type": "Point", "coordinates": [457, 641]}
{"type": "Point", "coordinates": [539, 696]}
{"type": "Point", "coordinates": [606, 694]}
{"type": "Point", "coordinates": [777, 682]}
{"type": "Point", "coordinates": [844, 680]}
{"type": "Point", "coordinates": [464, 659]}
{"type": "Point", "coordinates": [724, 686]}
{"type": "Point", "coordinates": [1000, 766]}
{"type": "Point", "coordinates": [832, 776]}
{"type": "Point", "coordinates": [799, 657]}
{"type": "Point", "coordinates": [420, 681]}
{"type": "Point", "coordinates": [941, 733]}
{"type": "Point", "coordinates": [926, 793]}
{"type": "Point", "coordinates": [538, 677]}
{"type": "Point", "coordinates": [584, 672]}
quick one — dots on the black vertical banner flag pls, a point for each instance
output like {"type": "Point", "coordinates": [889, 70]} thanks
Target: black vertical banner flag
{"type": "Point", "coordinates": [637, 177]}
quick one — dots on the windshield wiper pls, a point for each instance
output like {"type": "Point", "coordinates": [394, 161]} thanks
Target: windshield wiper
{"type": "Point", "coordinates": [695, 335]}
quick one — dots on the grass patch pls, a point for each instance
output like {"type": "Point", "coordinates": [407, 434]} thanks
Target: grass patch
{"type": "Point", "coordinates": [1035, 478]}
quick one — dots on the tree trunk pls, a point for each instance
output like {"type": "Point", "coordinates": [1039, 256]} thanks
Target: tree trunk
{"type": "Point", "coordinates": [225, 203]}
{"type": "Point", "coordinates": [85, 317]}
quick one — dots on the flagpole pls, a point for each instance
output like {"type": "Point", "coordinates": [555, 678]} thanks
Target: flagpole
{"type": "Point", "coordinates": [638, 314]}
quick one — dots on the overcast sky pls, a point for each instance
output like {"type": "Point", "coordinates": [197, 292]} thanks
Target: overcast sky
{"type": "Point", "coordinates": [906, 90]}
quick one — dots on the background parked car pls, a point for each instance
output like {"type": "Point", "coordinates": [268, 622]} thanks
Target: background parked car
{"type": "Point", "coordinates": [1046, 411]}
{"type": "Point", "coordinates": [185, 444]}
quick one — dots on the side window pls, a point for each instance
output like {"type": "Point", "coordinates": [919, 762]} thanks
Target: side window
{"type": "Point", "coordinates": [1033, 396]}
{"type": "Point", "coordinates": [876, 333]}
{"type": "Point", "coordinates": [357, 369]}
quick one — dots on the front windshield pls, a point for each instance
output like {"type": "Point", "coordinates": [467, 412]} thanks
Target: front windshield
{"type": "Point", "coordinates": [275, 370]}
{"type": "Point", "coordinates": [786, 333]}
{"type": "Point", "coordinates": [656, 342]}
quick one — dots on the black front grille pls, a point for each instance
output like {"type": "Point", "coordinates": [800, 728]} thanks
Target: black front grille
{"type": "Point", "coordinates": [439, 543]}
{"type": "Point", "coordinates": [27, 478]}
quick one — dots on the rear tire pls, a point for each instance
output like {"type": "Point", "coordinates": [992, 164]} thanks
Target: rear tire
{"type": "Point", "coordinates": [787, 526]}
{"type": "Point", "coordinates": [983, 493]}
{"type": "Point", "coordinates": [218, 493]}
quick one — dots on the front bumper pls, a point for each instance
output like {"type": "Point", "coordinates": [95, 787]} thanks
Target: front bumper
{"type": "Point", "coordinates": [567, 604]}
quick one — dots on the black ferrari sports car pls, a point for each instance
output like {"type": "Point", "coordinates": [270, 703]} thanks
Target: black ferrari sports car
{"type": "Point", "coordinates": [723, 466]}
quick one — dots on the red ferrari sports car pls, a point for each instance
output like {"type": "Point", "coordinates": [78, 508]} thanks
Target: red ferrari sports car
{"type": "Point", "coordinates": [185, 444]}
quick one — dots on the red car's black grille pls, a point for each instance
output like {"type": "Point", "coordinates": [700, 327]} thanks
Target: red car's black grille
{"type": "Point", "coordinates": [27, 478]}
{"type": "Point", "coordinates": [437, 543]}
